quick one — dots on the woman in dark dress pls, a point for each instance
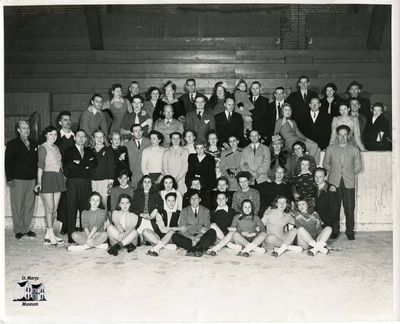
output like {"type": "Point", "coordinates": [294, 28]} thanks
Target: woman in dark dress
{"type": "Point", "coordinates": [121, 157]}
{"type": "Point", "coordinates": [201, 165]}
{"type": "Point", "coordinates": [170, 99]}
{"type": "Point", "coordinates": [330, 102]}
{"type": "Point", "coordinates": [216, 103]}
{"type": "Point", "coordinates": [377, 130]}
{"type": "Point", "coordinates": [153, 100]}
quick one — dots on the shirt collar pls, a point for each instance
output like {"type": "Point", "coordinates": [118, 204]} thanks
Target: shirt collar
{"type": "Point", "coordinates": [67, 135]}
{"type": "Point", "coordinates": [324, 187]}
{"type": "Point", "coordinates": [195, 210]}
{"type": "Point", "coordinates": [226, 208]}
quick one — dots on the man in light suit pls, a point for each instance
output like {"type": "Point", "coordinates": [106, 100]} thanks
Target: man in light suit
{"type": "Point", "coordinates": [256, 158]}
{"type": "Point", "coordinates": [135, 148]}
{"type": "Point", "coordinates": [196, 236]}
{"type": "Point", "coordinates": [190, 96]}
{"type": "Point", "coordinates": [199, 120]}
{"type": "Point", "coordinates": [343, 162]}
{"type": "Point", "coordinates": [229, 123]}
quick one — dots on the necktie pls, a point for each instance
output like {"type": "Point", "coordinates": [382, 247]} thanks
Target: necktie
{"type": "Point", "coordinates": [137, 118]}
{"type": "Point", "coordinates": [199, 115]}
{"type": "Point", "coordinates": [254, 149]}
{"type": "Point", "coordinates": [304, 97]}
{"type": "Point", "coordinates": [229, 116]}
{"type": "Point", "coordinates": [168, 122]}
{"type": "Point", "coordinates": [138, 144]}
{"type": "Point", "coordinates": [315, 115]}
{"type": "Point", "coordinates": [81, 151]}
{"type": "Point", "coordinates": [195, 213]}
{"type": "Point", "coordinates": [254, 99]}
{"type": "Point", "coordinates": [278, 111]}
{"type": "Point", "coordinates": [191, 97]}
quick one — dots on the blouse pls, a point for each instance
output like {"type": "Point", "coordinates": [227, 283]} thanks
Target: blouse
{"type": "Point", "coordinates": [275, 221]}
{"type": "Point", "coordinates": [49, 158]}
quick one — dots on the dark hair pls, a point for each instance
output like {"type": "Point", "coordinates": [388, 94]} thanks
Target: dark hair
{"type": "Point", "coordinates": [303, 77]}
{"type": "Point", "coordinates": [255, 82]}
{"type": "Point", "coordinates": [284, 179]}
{"type": "Point", "coordinates": [94, 96]}
{"type": "Point", "coordinates": [120, 197]}
{"type": "Point", "coordinates": [191, 131]}
{"type": "Point", "coordinates": [158, 134]}
{"type": "Point", "coordinates": [138, 96]}
{"type": "Point", "coordinates": [274, 204]}
{"type": "Point", "coordinates": [243, 174]}
{"type": "Point", "coordinates": [47, 130]}
{"type": "Point", "coordinates": [305, 158]}
{"type": "Point", "coordinates": [252, 209]}
{"type": "Point", "coordinates": [380, 105]}
{"type": "Point", "coordinates": [140, 183]}
{"type": "Point", "coordinates": [241, 81]}
{"type": "Point", "coordinates": [169, 83]}
{"type": "Point", "coordinates": [82, 131]}
{"type": "Point", "coordinates": [168, 105]}
{"type": "Point", "coordinates": [170, 194]}
{"type": "Point", "coordinates": [214, 98]}
{"type": "Point", "coordinates": [314, 97]}
{"type": "Point", "coordinates": [279, 88]}
{"type": "Point", "coordinates": [191, 79]}
{"type": "Point", "coordinates": [95, 193]}
{"type": "Point", "coordinates": [174, 183]}
{"type": "Point", "coordinates": [343, 127]}
{"type": "Point", "coordinates": [192, 192]}
{"type": "Point", "coordinates": [151, 89]}
{"type": "Point", "coordinates": [229, 97]}
{"type": "Point", "coordinates": [135, 125]}
{"type": "Point", "coordinates": [123, 172]}
{"type": "Point", "coordinates": [325, 171]}
{"type": "Point", "coordinates": [116, 86]}
{"type": "Point", "coordinates": [60, 115]}
{"type": "Point", "coordinates": [222, 178]}
{"type": "Point", "coordinates": [210, 132]}
{"type": "Point", "coordinates": [175, 133]}
{"type": "Point", "coordinates": [300, 143]}
{"type": "Point", "coordinates": [330, 85]}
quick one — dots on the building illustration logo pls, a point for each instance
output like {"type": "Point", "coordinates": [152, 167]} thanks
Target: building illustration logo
{"type": "Point", "coordinates": [25, 291]}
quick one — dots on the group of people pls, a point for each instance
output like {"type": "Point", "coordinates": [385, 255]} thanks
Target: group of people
{"type": "Point", "coordinates": [233, 170]}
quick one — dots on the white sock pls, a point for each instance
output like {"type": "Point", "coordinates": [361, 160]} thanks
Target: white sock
{"type": "Point", "coordinates": [281, 249]}
{"type": "Point", "coordinates": [294, 248]}
{"type": "Point", "coordinates": [324, 251]}
{"type": "Point", "coordinates": [78, 247]}
{"type": "Point", "coordinates": [312, 243]}
{"type": "Point", "coordinates": [46, 237]}
{"type": "Point", "coordinates": [249, 247]}
{"type": "Point", "coordinates": [52, 237]}
{"type": "Point", "coordinates": [103, 246]}
{"type": "Point", "coordinates": [171, 247]}
{"type": "Point", "coordinates": [157, 247]}
{"type": "Point", "coordinates": [259, 249]}
{"type": "Point", "coordinates": [234, 246]}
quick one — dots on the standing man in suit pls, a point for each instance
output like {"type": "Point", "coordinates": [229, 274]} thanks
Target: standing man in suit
{"type": "Point", "coordinates": [189, 97]}
{"type": "Point", "coordinates": [300, 99]}
{"type": "Point", "coordinates": [327, 201]}
{"type": "Point", "coordinates": [353, 91]}
{"type": "Point", "coordinates": [199, 120]}
{"type": "Point", "coordinates": [78, 161]}
{"type": "Point", "coordinates": [316, 124]}
{"type": "Point", "coordinates": [274, 112]}
{"type": "Point", "coordinates": [135, 148]}
{"type": "Point", "coordinates": [229, 123]}
{"type": "Point", "coordinates": [21, 159]}
{"type": "Point", "coordinates": [355, 111]}
{"type": "Point", "coordinates": [256, 158]}
{"type": "Point", "coordinates": [137, 116]}
{"type": "Point", "coordinates": [343, 162]}
{"type": "Point", "coordinates": [133, 90]}
{"type": "Point", "coordinates": [260, 108]}
{"type": "Point", "coordinates": [196, 236]}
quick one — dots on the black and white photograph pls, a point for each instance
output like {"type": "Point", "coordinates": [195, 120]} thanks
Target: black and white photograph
{"type": "Point", "coordinates": [194, 161]}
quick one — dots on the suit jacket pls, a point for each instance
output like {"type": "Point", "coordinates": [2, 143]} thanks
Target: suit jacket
{"type": "Point", "coordinates": [335, 104]}
{"type": "Point", "coordinates": [365, 103]}
{"type": "Point", "coordinates": [82, 169]}
{"type": "Point", "coordinates": [257, 163]}
{"type": "Point", "coordinates": [320, 131]}
{"type": "Point", "coordinates": [21, 163]}
{"type": "Point", "coordinates": [299, 107]}
{"type": "Point", "coordinates": [270, 119]}
{"type": "Point", "coordinates": [371, 132]}
{"type": "Point", "coordinates": [346, 169]}
{"type": "Point", "coordinates": [260, 114]}
{"type": "Point", "coordinates": [194, 224]}
{"type": "Point", "coordinates": [201, 127]}
{"type": "Point", "coordinates": [129, 120]}
{"type": "Point", "coordinates": [205, 170]}
{"type": "Point", "coordinates": [189, 105]}
{"type": "Point", "coordinates": [225, 128]}
{"type": "Point", "coordinates": [135, 159]}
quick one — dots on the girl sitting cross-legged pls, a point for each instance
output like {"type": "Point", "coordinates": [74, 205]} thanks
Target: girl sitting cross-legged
{"type": "Point", "coordinates": [276, 219]}
{"type": "Point", "coordinates": [164, 226]}
{"type": "Point", "coordinates": [93, 224]}
{"type": "Point", "coordinates": [123, 233]}
{"type": "Point", "coordinates": [249, 231]}
{"type": "Point", "coordinates": [221, 219]}
{"type": "Point", "coordinates": [311, 235]}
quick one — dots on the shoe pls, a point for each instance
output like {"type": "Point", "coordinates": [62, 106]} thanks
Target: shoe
{"type": "Point", "coordinates": [275, 254]}
{"type": "Point", "coordinates": [194, 253]}
{"type": "Point", "coordinates": [334, 236]}
{"type": "Point", "coordinates": [59, 240]}
{"type": "Point", "coordinates": [130, 247]}
{"type": "Point", "coordinates": [78, 229]}
{"type": "Point", "coordinates": [350, 237]}
{"type": "Point", "coordinates": [113, 250]}
{"type": "Point", "coordinates": [152, 253]}
{"type": "Point", "coordinates": [70, 241]}
{"type": "Point", "coordinates": [310, 253]}
{"type": "Point", "coordinates": [212, 253]}
{"type": "Point", "coordinates": [63, 232]}
{"type": "Point", "coordinates": [46, 242]}
{"type": "Point", "coordinates": [103, 246]}
{"type": "Point", "coordinates": [244, 254]}
{"type": "Point", "coordinates": [19, 236]}
{"type": "Point", "coordinates": [30, 234]}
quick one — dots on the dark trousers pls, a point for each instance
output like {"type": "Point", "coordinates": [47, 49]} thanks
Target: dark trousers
{"type": "Point", "coordinates": [348, 196]}
{"type": "Point", "coordinates": [62, 211]}
{"type": "Point", "coordinates": [205, 242]}
{"type": "Point", "coordinates": [78, 192]}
